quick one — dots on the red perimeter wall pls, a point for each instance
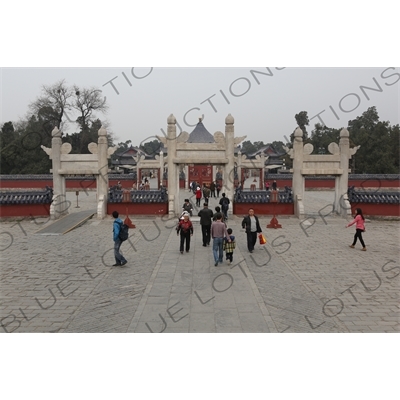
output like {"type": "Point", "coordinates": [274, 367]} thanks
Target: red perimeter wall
{"type": "Point", "coordinates": [90, 183]}
{"type": "Point", "coordinates": [264, 208]}
{"type": "Point", "coordinates": [24, 210]}
{"type": "Point", "coordinates": [371, 209]}
{"type": "Point", "coordinates": [138, 208]}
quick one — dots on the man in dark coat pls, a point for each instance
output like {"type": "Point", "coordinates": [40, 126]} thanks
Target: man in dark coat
{"type": "Point", "coordinates": [206, 193]}
{"type": "Point", "coordinates": [224, 203]}
{"type": "Point", "coordinates": [212, 189]}
{"type": "Point", "coordinates": [252, 226]}
{"type": "Point", "coordinates": [205, 221]}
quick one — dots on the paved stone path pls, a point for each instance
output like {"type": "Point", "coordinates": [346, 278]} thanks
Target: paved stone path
{"type": "Point", "coordinates": [305, 279]}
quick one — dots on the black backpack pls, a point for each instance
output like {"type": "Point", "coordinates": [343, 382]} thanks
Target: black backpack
{"type": "Point", "coordinates": [123, 232]}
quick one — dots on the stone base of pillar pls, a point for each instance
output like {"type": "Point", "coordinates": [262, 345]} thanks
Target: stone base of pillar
{"type": "Point", "coordinates": [171, 205]}
{"type": "Point", "coordinates": [299, 207]}
{"type": "Point", "coordinates": [102, 207]}
{"type": "Point", "coordinates": [344, 207]}
{"type": "Point", "coordinates": [57, 207]}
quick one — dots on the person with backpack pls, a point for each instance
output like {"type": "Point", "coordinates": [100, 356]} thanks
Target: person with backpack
{"type": "Point", "coordinates": [185, 228]}
{"type": "Point", "coordinates": [360, 227]}
{"type": "Point", "coordinates": [224, 203]}
{"type": "Point", "coordinates": [229, 247]}
{"type": "Point", "coordinates": [117, 230]}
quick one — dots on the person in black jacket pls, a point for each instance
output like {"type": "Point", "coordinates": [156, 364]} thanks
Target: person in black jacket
{"type": "Point", "coordinates": [205, 221]}
{"type": "Point", "coordinates": [252, 226]}
{"type": "Point", "coordinates": [224, 203]}
{"type": "Point", "coordinates": [187, 207]}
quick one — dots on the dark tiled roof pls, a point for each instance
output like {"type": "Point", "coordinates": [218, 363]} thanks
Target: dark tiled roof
{"type": "Point", "coordinates": [285, 196]}
{"type": "Point", "coordinates": [268, 150]}
{"type": "Point", "coordinates": [363, 196]}
{"type": "Point", "coordinates": [139, 196]}
{"type": "Point", "coordinates": [28, 197]}
{"type": "Point", "coordinates": [200, 135]}
{"type": "Point", "coordinates": [131, 151]}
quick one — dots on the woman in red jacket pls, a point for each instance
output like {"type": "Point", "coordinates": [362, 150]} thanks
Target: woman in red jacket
{"type": "Point", "coordinates": [360, 227]}
{"type": "Point", "coordinates": [198, 196]}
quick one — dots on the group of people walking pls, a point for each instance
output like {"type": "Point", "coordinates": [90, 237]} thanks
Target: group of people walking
{"type": "Point", "coordinates": [214, 226]}
{"type": "Point", "coordinates": [207, 191]}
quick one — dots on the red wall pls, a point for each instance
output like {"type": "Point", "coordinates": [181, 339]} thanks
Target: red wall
{"type": "Point", "coordinates": [87, 183]}
{"type": "Point", "coordinates": [371, 209]}
{"type": "Point", "coordinates": [320, 184]}
{"type": "Point", "coordinates": [24, 210]}
{"type": "Point", "coordinates": [138, 208]}
{"type": "Point", "coordinates": [264, 208]}
{"type": "Point", "coordinates": [374, 183]}
{"type": "Point", "coordinates": [25, 184]}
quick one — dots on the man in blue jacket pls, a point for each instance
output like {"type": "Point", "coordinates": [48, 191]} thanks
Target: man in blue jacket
{"type": "Point", "coordinates": [119, 258]}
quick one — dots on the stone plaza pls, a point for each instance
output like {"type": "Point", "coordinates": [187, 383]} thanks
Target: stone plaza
{"type": "Point", "coordinates": [305, 279]}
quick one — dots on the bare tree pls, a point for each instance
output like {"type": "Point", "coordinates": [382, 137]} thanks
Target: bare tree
{"type": "Point", "coordinates": [87, 101]}
{"type": "Point", "coordinates": [54, 101]}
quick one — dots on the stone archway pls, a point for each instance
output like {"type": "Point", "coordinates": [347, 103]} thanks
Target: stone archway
{"type": "Point", "coordinates": [218, 150]}
{"type": "Point", "coordinates": [337, 164]}
{"type": "Point", "coordinates": [64, 164]}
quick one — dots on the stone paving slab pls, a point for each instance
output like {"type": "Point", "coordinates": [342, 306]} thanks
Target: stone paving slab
{"type": "Point", "coordinates": [305, 279]}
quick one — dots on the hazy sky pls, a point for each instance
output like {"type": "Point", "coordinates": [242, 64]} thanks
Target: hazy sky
{"type": "Point", "coordinates": [263, 100]}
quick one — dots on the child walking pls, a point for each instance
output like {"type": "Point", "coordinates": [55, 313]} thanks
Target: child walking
{"type": "Point", "coordinates": [360, 227]}
{"type": "Point", "coordinates": [229, 246]}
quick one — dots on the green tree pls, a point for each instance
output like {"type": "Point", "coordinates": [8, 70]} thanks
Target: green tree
{"type": "Point", "coordinates": [379, 149]}
{"type": "Point", "coordinates": [122, 147]}
{"type": "Point", "coordinates": [278, 146]}
{"type": "Point", "coordinates": [302, 122]}
{"type": "Point", "coordinates": [394, 133]}
{"type": "Point", "coordinates": [8, 146]}
{"type": "Point", "coordinates": [28, 156]}
{"type": "Point", "coordinates": [80, 141]}
{"type": "Point", "coordinates": [151, 147]}
{"type": "Point", "coordinates": [248, 147]}
{"type": "Point", "coordinates": [322, 137]}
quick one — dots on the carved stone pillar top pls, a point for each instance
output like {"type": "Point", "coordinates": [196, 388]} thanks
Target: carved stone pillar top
{"type": "Point", "coordinates": [56, 133]}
